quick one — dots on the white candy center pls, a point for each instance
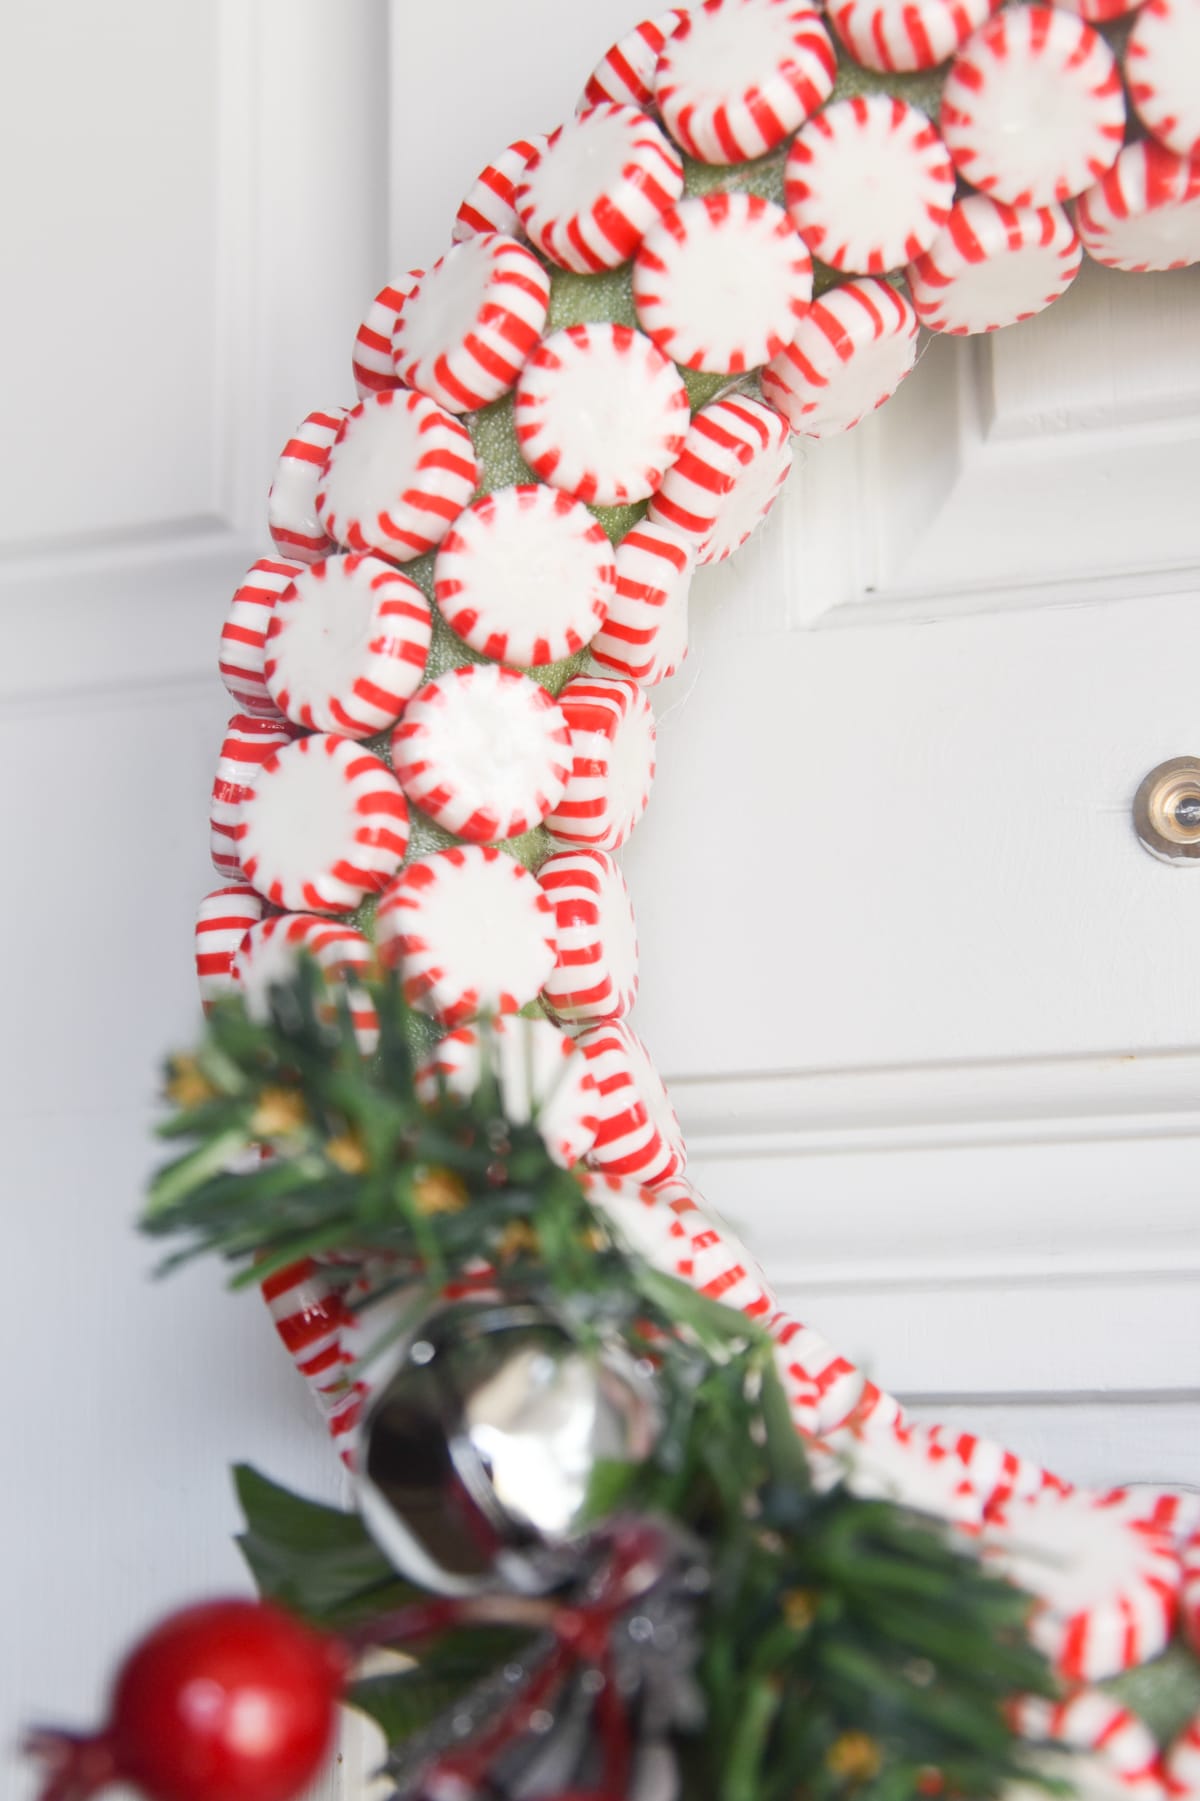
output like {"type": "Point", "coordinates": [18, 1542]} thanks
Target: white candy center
{"type": "Point", "coordinates": [373, 465]}
{"type": "Point", "coordinates": [531, 571]}
{"type": "Point", "coordinates": [490, 745]}
{"type": "Point", "coordinates": [327, 630]}
{"type": "Point", "coordinates": [583, 167]}
{"type": "Point", "coordinates": [483, 929]}
{"type": "Point", "coordinates": [727, 52]}
{"type": "Point", "coordinates": [446, 308]}
{"type": "Point", "coordinates": [300, 820]}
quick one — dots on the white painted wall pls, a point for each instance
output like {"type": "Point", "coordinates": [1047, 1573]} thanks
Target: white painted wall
{"type": "Point", "coordinates": [929, 1013]}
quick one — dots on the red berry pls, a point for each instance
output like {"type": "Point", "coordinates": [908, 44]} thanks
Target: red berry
{"type": "Point", "coordinates": [225, 1701]}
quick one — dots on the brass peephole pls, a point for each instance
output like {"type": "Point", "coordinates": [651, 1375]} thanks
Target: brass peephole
{"type": "Point", "coordinates": [1166, 811]}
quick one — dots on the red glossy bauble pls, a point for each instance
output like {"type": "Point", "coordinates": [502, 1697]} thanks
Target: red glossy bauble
{"type": "Point", "coordinates": [226, 1701]}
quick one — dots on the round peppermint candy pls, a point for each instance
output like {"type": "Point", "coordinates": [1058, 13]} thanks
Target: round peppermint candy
{"type": "Point", "coordinates": [374, 364]}
{"type": "Point", "coordinates": [1114, 1755]}
{"type": "Point", "coordinates": [471, 931]}
{"type": "Point", "coordinates": [638, 1135]}
{"type": "Point", "coordinates": [400, 472]}
{"type": "Point", "coordinates": [1145, 213]}
{"type": "Point", "coordinates": [1033, 109]}
{"type": "Point", "coordinates": [993, 265]}
{"type": "Point", "coordinates": [589, 198]}
{"type": "Point", "coordinates": [721, 281]}
{"type": "Point", "coordinates": [601, 413]}
{"type": "Point", "coordinates": [869, 184]}
{"type": "Point", "coordinates": [540, 1073]}
{"type": "Point", "coordinates": [525, 575]}
{"type": "Point", "coordinates": [484, 751]}
{"type": "Point", "coordinates": [906, 34]}
{"type": "Point", "coordinates": [490, 203]}
{"type": "Point", "coordinates": [222, 921]}
{"type": "Point", "coordinates": [292, 500]}
{"type": "Point", "coordinates": [854, 347]}
{"type": "Point", "coordinates": [738, 76]}
{"type": "Point", "coordinates": [1107, 1585]}
{"type": "Point", "coordinates": [466, 330]}
{"type": "Point", "coordinates": [244, 633]}
{"type": "Point", "coordinates": [887, 1458]}
{"type": "Point", "coordinates": [625, 74]}
{"type": "Point", "coordinates": [323, 826]}
{"type": "Point", "coordinates": [596, 976]}
{"type": "Point", "coordinates": [1161, 60]}
{"type": "Point", "coordinates": [270, 951]}
{"type": "Point", "coordinates": [645, 635]}
{"type": "Point", "coordinates": [669, 1227]}
{"type": "Point", "coordinates": [347, 645]}
{"type": "Point", "coordinates": [821, 1384]}
{"type": "Point", "coordinates": [764, 462]}
{"type": "Point", "coordinates": [611, 762]}
{"type": "Point", "coordinates": [247, 744]}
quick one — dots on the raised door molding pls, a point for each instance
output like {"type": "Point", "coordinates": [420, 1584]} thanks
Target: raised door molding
{"type": "Point", "coordinates": [279, 166]}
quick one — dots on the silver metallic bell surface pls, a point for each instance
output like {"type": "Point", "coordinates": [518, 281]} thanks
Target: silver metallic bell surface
{"type": "Point", "coordinates": [476, 1457]}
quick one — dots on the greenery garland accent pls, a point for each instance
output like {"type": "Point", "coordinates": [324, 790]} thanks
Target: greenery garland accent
{"type": "Point", "coordinates": [848, 1645]}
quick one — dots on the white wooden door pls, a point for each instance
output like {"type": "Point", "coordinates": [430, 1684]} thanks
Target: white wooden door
{"type": "Point", "coordinates": [931, 1016]}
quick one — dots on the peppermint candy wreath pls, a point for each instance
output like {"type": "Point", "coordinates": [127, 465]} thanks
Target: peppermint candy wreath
{"type": "Point", "coordinates": [443, 729]}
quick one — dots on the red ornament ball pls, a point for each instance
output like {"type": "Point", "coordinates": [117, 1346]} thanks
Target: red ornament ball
{"type": "Point", "coordinates": [226, 1701]}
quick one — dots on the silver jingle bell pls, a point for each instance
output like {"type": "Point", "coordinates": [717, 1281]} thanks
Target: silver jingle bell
{"type": "Point", "coordinates": [477, 1456]}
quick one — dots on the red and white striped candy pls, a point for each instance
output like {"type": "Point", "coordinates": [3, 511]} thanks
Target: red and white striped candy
{"type": "Point", "coordinates": [625, 73]}
{"type": "Point", "coordinates": [292, 499]}
{"type": "Point", "coordinates": [1162, 58]}
{"type": "Point", "coordinates": [541, 1075]}
{"type": "Point", "coordinates": [471, 930]}
{"type": "Point", "coordinates": [271, 950]}
{"type": "Point", "coordinates": [812, 1371]}
{"type": "Point", "coordinates": [993, 265]}
{"type": "Point", "coordinates": [721, 281]}
{"type": "Point", "coordinates": [374, 364]}
{"type": "Point", "coordinates": [306, 1304]}
{"type": "Point", "coordinates": [645, 635]}
{"type": "Point", "coordinates": [601, 413]}
{"type": "Point", "coordinates": [465, 332]}
{"type": "Point", "coordinates": [490, 204]}
{"type": "Point", "coordinates": [590, 196]}
{"type": "Point", "coordinates": [868, 184]}
{"type": "Point", "coordinates": [886, 1458]}
{"type": "Point", "coordinates": [706, 468]}
{"type": "Point", "coordinates": [670, 1228]}
{"type": "Point", "coordinates": [525, 575]}
{"type": "Point", "coordinates": [1189, 1596]}
{"type": "Point", "coordinates": [738, 76]}
{"type": "Point", "coordinates": [997, 1476]}
{"type": "Point", "coordinates": [596, 976]}
{"type": "Point", "coordinates": [854, 347]}
{"type": "Point", "coordinates": [1107, 1585]}
{"type": "Point", "coordinates": [244, 633]}
{"type": "Point", "coordinates": [1115, 1754]}
{"type": "Point", "coordinates": [400, 473]}
{"type": "Point", "coordinates": [1145, 213]}
{"type": "Point", "coordinates": [484, 751]}
{"type": "Point", "coordinates": [611, 730]}
{"type": "Point", "coordinates": [1182, 1764]}
{"type": "Point", "coordinates": [906, 34]}
{"type": "Point", "coordinates": [347, 645]}
{"type": "Point", "coordinates": [638, 1134]}
{"type": "Point", "coordinates": [222, 920]}
{"type": "Point", "coordinates": [247, 744]}
{"type": "Point", "coordinates": [1033, 109]}
{"type": "Point", "coordinates": [323, 825]}
{"type": "Point", "coordinates": [765, 462]}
